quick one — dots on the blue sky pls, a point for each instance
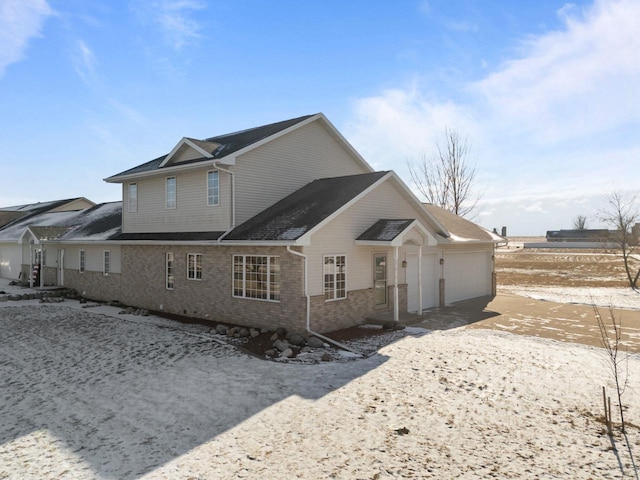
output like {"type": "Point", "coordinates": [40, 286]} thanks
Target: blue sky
{"type": "Point", "coordinates": [548, 92]}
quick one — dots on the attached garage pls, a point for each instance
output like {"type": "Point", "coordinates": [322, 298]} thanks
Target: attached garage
{"type": "Point", "coordinates": [430, 278]}
{"type": "Point", "coordinates": [467, 275]}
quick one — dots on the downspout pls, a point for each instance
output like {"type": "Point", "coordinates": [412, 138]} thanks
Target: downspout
{"type": "Point", "coordinates": [308, 315]}
{"type": "Point", "coordinates": [396, 296]}
{"type": "Point", "coordinates": [233, 202]}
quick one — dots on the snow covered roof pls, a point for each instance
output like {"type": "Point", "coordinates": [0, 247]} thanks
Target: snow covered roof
{"type": "Point", "coordinates": [385, 230]}
{"type": "Point", "coordinates": [461, 229]}
{"type": "Point", "coordinates": [100, 222]}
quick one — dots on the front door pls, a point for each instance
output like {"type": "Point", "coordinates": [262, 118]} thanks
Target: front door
{"type": "Point", "coordinates": [380, 280]}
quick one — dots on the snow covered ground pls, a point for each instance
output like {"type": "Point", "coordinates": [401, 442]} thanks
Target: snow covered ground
{"type": "Point", "coordinates": [87, 393]}
{"type": "Point", "coordinates": [604, 297]}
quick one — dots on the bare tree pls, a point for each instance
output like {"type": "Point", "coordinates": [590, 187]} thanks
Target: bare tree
{"type": "Point", "coordinates": [447, 179]}
{"type": "Point", "coordinates": [580, 222]}
{"type": "Point", "coordinates": [622, 213]}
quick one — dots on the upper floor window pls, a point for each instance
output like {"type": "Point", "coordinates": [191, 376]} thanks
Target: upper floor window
{"type": "Point", "coordinates": [194, 266]}
{"type": "Point", "coordinates": [133, 197]}
{"type": "Point", "coordinates": [335, 277]}
{"type": "Point", "coordinates": [81, 261]}
{"type": "Point", "coordinates": [106, 265]}
{"type": "Point", "coordinates": [171, 192]}
{"type": "Point", "coordinates": [213, 188]}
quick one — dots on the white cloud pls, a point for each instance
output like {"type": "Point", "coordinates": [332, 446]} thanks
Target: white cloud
{"type": "Point", "coordinates": [84, 61]}
{"type": "Point", "coordinates": [175, 20]}
{"type": "Point", "coordinates": [20, 20]}
{"type": "Point", "coordinates": [577, 81]}
{"type": "Point", "coordinates": [559, 120]}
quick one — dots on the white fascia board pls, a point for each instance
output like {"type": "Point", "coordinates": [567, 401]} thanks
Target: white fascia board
{"type": "Point", "coordinates": [306, 238]}
{"type": "Point", "coordinates": [189, 143]}
{"type": "Point", "coordinates": [165, 170]}
{"type": "Point", "coordinates": [27, 230]}
{"type": "Point", "coordinates": [261, 243]}
{"type": "Point", "coordinates": [407, 193]}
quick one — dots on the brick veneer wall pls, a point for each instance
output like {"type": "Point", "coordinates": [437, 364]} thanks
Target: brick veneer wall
{"type": "Point", "coordinates": [354, 310]}
{"type": "Point", "coordinates": [143, 285]}
{"type": "Point", "coordinates": [95, 285]}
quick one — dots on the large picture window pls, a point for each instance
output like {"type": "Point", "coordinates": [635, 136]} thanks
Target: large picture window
{"type": "Point", "coordinates": [335, 277]}
{"type": "Point", "coordinates": [169, 270]}
{"type": "Point", "coordinates": [213, 188]}
{"type": "Point", "coordinates": [194, 266]}
{"type": "Point", "coordinates": [171, 192]}
{"type": "Point", "coordinates": [256, 277]}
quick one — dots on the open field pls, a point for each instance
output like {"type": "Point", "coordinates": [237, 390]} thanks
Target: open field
{"type": "Point", "coordinates": [560, 268]}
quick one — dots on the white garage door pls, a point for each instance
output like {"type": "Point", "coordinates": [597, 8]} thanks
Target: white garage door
{"type": "Point", "coordinates": [429, 281]}
{"type": "Point", "coordinates": [10, 261]}
{"type": "Point", "coordinates": [467, 275]}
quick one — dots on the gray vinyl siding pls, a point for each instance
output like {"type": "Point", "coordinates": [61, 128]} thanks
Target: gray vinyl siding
{"type": "Point", "coordinates": [338, 237]}
{"type": "Point", "coordinates": [271, 172]}
{"type": "Point", "coordinates": [93, 257]}
{"type": "Point", "coordinates": [192, 214]}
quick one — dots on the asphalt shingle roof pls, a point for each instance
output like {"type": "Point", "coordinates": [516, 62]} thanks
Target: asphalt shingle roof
{"type": "Point", "coordinates": [460, 228]}
{"type": "Point", "coordinates": [385, 230]}
{"type": "Point", "coordinates": [228, 143]}
{"type": "Point", "coordinates": [295, 215]}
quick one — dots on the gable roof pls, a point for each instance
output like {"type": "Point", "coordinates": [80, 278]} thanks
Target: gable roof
{"type": "Point", "coordinates": [461, 229]}
{"type": "Point", "coordinates": [223, 149]}
{"type": "Point", "coordinates": [297, 214]}
{"type": "Point", "coordinates": [100, 222]}
{"type": "Point", "coordinates": [216, 148]}
{"type": "Point", "coordinates": [9, 215]}
{"type": "Point", "coordinates": [385, 230]}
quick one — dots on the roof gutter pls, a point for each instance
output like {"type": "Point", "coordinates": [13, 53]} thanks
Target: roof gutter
{"type": "Point", "coordinates": [233, 201]}
{"type": "Point", "coordinates": [308, 297]}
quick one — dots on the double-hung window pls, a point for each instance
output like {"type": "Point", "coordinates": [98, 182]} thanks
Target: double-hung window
{"type": "Point", "coordinates": [213, 188]}
{"type": "Point", "coordinates": [169, 265]}
{"type": "Point", "coordinates": [194, 266]}
{"type": "Point", "coordinates": [256, 277]}
{"type": "Point", "coordinates": [81, 261]}
{"type": "Point", "coordinates": [171, 192]}
{"type": "Point", "coordinates": [106, 264]}
{"type": "Point", "coordinates": [133, 197]}
{"type": "Point", "coordinates": [335, 277]}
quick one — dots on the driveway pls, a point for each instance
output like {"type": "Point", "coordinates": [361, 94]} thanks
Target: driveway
{"type": "Point", "coordinates": [566, 322]}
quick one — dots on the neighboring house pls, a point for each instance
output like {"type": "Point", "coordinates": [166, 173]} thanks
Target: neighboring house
{"type": "Point", "coordinates": [12, 254]}
{"type": "Point", "coordinates": [283, 225]}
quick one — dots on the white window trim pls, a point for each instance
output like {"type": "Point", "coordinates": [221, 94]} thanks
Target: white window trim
{"type": "Point", "coordinates": [346, 290]}
{"type": "Point", "coordinates": [105, 254]}
{"type": "Point", "coordinates": [218, 196]}
{"type": "Point", "coordinates": [244, 278]}
{"type": "Point", "coordinates": [166, 193]}
{"type": "Point", "coordinates": [166, 271]}
{"type": "Point", "coordinates": [131, 206]}
{"type": "Point", "coordinates": [82, 260]}
{"type": "Point", "coordinates": [195, 267]}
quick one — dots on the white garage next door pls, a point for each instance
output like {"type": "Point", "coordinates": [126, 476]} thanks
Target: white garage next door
{"type": "Point", "coordinates": [467, 275]}
{"type": "Point", "coordinates": [11, 261]}
{"type": "Point", "coordinates": [429, 281]}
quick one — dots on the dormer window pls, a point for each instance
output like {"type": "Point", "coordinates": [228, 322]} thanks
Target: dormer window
{"type": "Point", "coordinates": [171, 192]}
{"type": "Point", "coordinates": [213, 188]}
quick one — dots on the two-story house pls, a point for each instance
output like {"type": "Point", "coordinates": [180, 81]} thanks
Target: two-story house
{"type": "Point", "coordinates": [283, 225]}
